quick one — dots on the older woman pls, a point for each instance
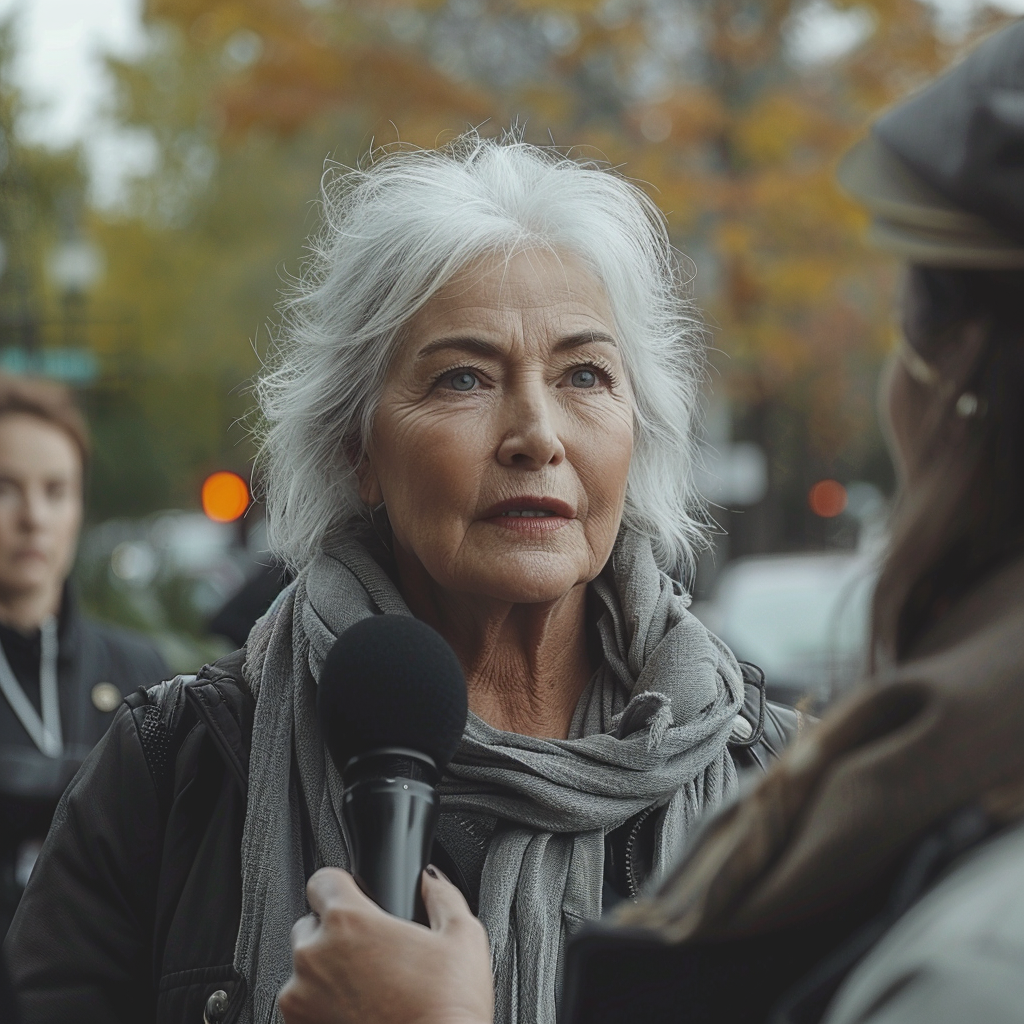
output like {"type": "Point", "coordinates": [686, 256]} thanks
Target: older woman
{"type": "Point", "coordinates": [877, 874]}
{"type": "Point", "coordinates": [481, 415]}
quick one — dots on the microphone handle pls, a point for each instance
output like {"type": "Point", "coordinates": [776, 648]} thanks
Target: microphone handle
{"type": "Point", "coordinates": [390, 823]}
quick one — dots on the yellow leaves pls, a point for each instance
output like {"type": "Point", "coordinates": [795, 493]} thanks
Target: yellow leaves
{"type": "Point", "coordinates": [578, 7]}
{"type": "Point", "coordinates": [307, 63]}
{"type": "Point", "coordinates": [547, 105]}
{"type": "Point", "coordinates": [287, 93]}
{"type": "Point", "coordinates": [785, 128]}
{"type": "Point", "coordinates": [734, 144]}
{"type": "Point", "coordinates": [794, 281]}
{"type": "Point", "coordinates": [733, 238]}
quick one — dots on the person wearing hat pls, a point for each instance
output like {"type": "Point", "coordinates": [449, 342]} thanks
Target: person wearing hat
{"type": "Point", "coordinates": [62, 677]}
{"type": "Point", "coordinates": [877, 873]}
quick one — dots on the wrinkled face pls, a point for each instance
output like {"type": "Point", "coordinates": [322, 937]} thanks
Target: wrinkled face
{"type": "Point", "coordinates": [40, 504]}
{"type": "Point", "coordinates": [502, 442]}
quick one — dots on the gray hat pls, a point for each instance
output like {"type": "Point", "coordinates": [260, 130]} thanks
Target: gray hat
{"type": "Point", "coordinates": [943, 172]}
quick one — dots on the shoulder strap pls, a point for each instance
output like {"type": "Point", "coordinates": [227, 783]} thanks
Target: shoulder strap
{"type": "Point", "coordinates": [223, 702]}
{"type": "Point", "coordinates": [162, 723]}
{"type": "Point", "coordinates": [754, 705]}
{"type": "Point", "coordinates": [218, 697]}
{"type": "Point", "coordinates": [772, 727]}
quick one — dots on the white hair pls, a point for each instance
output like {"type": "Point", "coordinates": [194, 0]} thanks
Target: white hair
{"type": "Point", "coordinates": [399, 228]}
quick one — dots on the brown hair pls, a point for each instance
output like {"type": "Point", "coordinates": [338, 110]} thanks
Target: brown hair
{"type": "Point", "coordinates": [51, 402]}
{"type": "Point", "coordinates": [964, 516]}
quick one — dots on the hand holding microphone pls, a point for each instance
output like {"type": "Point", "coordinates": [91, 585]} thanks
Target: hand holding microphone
{"type": "Point", "coordinates": [355, 964]}
{"type": "Point", "coordinates": [392, 708]}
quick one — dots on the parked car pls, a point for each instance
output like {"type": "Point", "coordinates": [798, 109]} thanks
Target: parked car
{"type": "Point", "coordinates": [803, 619]}
{"type": "Point", "coordinates": [167, 575]}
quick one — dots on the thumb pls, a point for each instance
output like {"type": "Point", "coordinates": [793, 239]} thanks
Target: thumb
{"type": "Point", "coordinates": [332, 888]}
{"type": "Point", "coordinates": [444, 902]}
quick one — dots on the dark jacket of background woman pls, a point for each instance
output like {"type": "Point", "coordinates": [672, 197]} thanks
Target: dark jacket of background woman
{"type": "Point", "coordinates": [97, 665]}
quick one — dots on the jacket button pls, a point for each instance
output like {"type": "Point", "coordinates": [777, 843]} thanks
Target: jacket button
{"type": "Point", "coordinates": [106, 697]}
{"type": "Point", "coordinates": [216, 1007]}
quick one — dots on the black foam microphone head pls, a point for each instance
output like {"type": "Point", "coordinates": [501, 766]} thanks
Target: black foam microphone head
{"type": "Point", "coordinates": [391, 681]}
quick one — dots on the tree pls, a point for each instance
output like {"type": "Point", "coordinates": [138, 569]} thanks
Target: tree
{"type": "Point", "coordinates": [41, 196]}
{"type": "Point", "coordinates": [706, 101]}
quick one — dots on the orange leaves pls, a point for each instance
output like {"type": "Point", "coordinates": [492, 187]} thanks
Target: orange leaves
{"type": "Point", "coordinates": [296, 86]}
{"type": "Point", "coordinates": [733, 239]}
{"type": "Point", "coordinates": [700, 99]}
{"type": "Point", "coordinates": [285, 65]}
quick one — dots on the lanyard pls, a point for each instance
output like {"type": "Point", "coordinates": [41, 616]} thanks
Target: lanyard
{"type": "Point", "coordinates": [45, 731]}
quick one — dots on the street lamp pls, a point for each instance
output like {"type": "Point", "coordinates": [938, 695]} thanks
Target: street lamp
{"type": "Point", "coordinates": [75, 265]}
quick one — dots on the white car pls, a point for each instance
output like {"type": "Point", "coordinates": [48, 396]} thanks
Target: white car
{"type": "Point", "coordinates": [803, 619]}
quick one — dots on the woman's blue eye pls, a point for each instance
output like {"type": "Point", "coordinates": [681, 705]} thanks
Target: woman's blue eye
{"type": "Point", "coordinates": [583, 378]}
{"type": "Point", "coordinates": [463, 381]}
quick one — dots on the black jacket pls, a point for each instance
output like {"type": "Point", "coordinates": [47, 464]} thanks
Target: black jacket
{"type": "Point", "coordinates": [88, 653]}
{"type": "Point", "coordinates": [90, 656]}
{"type": "Point", "coordinates": [132, 913]}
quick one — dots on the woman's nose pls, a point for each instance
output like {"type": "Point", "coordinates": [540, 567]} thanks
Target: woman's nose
{"type": "Point", "coordinates": [33, 511]}
{"type": "Point", "coordinates": [531, 439]}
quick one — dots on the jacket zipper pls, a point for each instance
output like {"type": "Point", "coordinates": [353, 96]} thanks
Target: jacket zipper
{"type": "Point", "coordinates": [631, 882]}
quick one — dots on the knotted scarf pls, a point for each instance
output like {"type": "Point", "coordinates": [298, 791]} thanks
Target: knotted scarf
{"type": "Point", "coordinates": [650, 731]}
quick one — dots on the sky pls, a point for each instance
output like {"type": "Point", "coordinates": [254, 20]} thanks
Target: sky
{"type": "Point", "coordinates": [60, 43]}
{"type": "Point", "coordinates": [59, 66]}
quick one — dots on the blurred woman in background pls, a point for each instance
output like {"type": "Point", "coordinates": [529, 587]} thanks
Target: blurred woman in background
{"type": "Point", "coordinates": [61, 676]}
{"type": "Point", "coordinates": [877, 874]}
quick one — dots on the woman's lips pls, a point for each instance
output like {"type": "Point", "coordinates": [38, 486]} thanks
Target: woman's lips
{"type": "Point", "coordinates": [30, 555]}
{"type": "Point", "coordinates": [530, 514]}
{"type": "Point", "coordinates": [529, 524]}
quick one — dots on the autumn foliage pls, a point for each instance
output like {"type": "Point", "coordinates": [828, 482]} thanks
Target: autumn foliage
{"type": "Point", "coordinates": [723, 108]}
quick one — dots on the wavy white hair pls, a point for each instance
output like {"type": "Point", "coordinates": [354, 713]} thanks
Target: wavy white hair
{"type": "Point", "coordinates": [398, 229]}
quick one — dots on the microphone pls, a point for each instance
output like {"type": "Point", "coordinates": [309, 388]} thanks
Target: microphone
{"type": "Point", "coordinates": [392, 708]}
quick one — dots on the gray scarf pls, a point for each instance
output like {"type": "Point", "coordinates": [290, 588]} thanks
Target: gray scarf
{"type": "Point", "coordinates": [650, 731]}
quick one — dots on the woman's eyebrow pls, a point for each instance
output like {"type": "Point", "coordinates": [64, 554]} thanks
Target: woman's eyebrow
{"type": "Point", "coordinates": [480, 347]}
{"type": "Point", "coordinates": [474, 346]}
{"type": "Point", "coordinates": [581, 338]}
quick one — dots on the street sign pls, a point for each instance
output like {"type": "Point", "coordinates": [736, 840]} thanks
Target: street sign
{"type": "Point", "coordinates": [68, 365]}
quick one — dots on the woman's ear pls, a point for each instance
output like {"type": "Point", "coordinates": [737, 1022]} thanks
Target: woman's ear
{"type": "Point", "coordinates": [369, 486]}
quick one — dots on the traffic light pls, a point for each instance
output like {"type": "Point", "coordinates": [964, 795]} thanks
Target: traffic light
{"type": "Point", "coordinates": [225, 496]}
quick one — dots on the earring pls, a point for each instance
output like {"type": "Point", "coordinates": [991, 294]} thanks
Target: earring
{"type": "Point", "coordinates": [968, 405]}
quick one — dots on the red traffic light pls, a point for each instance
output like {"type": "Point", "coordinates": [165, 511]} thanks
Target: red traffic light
{"type": "Point", "coordinates": [827, 498]}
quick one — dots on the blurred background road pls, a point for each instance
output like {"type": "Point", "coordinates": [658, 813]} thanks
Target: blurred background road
{"type": "Point", "coordinates": [159, 164]}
